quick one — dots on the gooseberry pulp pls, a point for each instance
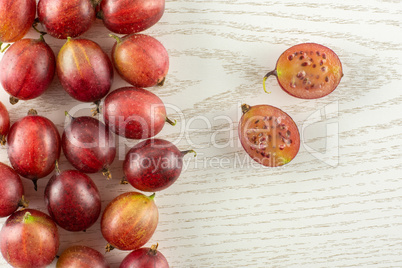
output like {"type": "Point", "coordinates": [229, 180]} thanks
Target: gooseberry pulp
{"type": "Point", "coordinates": [34, 145]}
{"type": "Point", "coordinates": [145, 258]}
{"type": "Point", "coordinates": [140, 59]}
{"type": "Point", "coordinates": [16, 17]}
{"type": "Point", "coordinates": [134, 113]}
{"type": "Point", "coordinates": [63, 19]}
{"type": "Point", "coordinates": [84, 69]}
{"type": "Point", "coordinates": [117, 15]}
{"type": "Point", "coordinates": [307, 71]}
{"type": "Point", "coordinates": [27, 69]}
{"type": "Point", "coordinates": [153, 165]}
{"type": "Point", "coordinates": [268, 135]}
{"type": "Point", "coordinates": [82, 257]}
{"type": "Point", "coordinates": [11, 191]}
{"type": "Point", "coordinates": [73, 200]}
{"type": "Point", "coordinates": [29, 238]}
{"type": "Point", "coordinates": [129, 221]}
{"type": "Point", "coordinates": [89, 145]}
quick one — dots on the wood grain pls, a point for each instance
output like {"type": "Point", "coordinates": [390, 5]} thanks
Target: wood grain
{"type": "Point", "coordinates": [342, 210]}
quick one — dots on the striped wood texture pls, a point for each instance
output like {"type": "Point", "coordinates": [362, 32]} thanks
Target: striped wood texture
{"type": "Point", "coordinates": [337, 204]}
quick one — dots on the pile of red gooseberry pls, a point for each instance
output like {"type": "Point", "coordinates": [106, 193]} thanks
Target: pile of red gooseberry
{"type": "Point", "coordinates": [29, 237]}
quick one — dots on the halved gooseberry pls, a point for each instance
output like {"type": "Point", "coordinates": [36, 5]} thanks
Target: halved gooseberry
{"type": "Point", "coordinates": [307, 71]}
{"type": "Point", "coordinates": [268, 135]}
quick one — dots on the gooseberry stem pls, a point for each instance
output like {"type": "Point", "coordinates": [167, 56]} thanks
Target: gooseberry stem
{"type": "Point", "coordinates": [32, 112]}
{"type": "Point", "coordinates": [56, 167]}
{"type": "Point", "coordinates": [95, 111]}
{"type": "Point", "coordinates": [35, 183]}
{"type": "Point", "coordinates": [34, 24]}
{"type": "Point", "coordinates": [23, 202]}
{"type": "Point", "coordinates": [4, 49]}
{"type": "Point", "coordinates": [154, 249]}
{"type": "Point", "coordinates": [245, 108]}
{"type": "Point", "coordinates": [265, 79]}
{"type": "Point", "coordinates": [26, 216]}
{"type": "Point", "coordinates": [189, 151]}
{"type": "Point", "coordinates": [106, 173]}
{"type": "Point", "coordinates": [69, 115]}
{"type": "Point", "coordinates": [95, 3]}
{"type": "Point", "coordinates": [173, 123]}
{"type": "Point", "coordinates": [99, 15]}
{"type": "Point", "coordinates": [118, 39]}
{"type": "Point", "coordinates": [162, 82]}
{"type": "Point", "coordinates": [109, 247]}
{"type": "Point", "coordinates": [13, 100]}
{"type": "Point", "coordinates": [123, 180]}
{"type": "Point", "coordinates": [3, 140]}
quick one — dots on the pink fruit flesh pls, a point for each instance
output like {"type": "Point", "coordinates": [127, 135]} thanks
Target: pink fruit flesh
{"type": "Point", "coordinates": [73, 200]}
{"type": "Point", "coordinates": [63, 19]}
{"type": "Point", "coordinates": [117, 15]}
{"type": "Point", "coordinates": [145, 258]}
{"type": "Point", "coordinates": [308, 71]}
{"type": "Point", "coordinates": [268, 135]}
{"type": "Point", "coordinates": [129, 221]}
{"type": "Point", "coordinates": [4, 123]}
{"type": "Point", "coordinates": [82, 257]}
{"type": "Point", "coordinates": [134, 113]}
{"type": "Point", "coordinates": [84, 70]}
{"type": "Point", "coordinates": [11, 191]}
{"type": "Point", "coordinates": [29, 238]}
{"type": "Point", "coordinates": [141, 60]}
{"type": "Point", "coordinates": [33, 147]}
{"type": "Point", "coordinates": [88, 145]}
{"type": "Point", "coordinates": [16, 17]}
{"type": "Point", "coordinates": [153, 165]}
{"type": "Point", "coordinates": [27, 69]}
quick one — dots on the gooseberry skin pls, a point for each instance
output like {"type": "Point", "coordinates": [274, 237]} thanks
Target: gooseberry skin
{"type": "Point", "coordinates": [145, 258]}
{"type": "Point", "coordinates": [27, 69]}
{"type": "Point", "coordinates": [88, 145]}
{"type": "Point", "coordinates": [141, 60]}
{"type": "Point", "coordinates": [82, 257]}
{"type": "Point", "coordinates": [11, 191]}
{"type": "Point", "coordinates": [62, 19]}
{"type": "Point", "coordinates": [73, 200]}
{"type": "Point", "coordinates": [117, 15]}
{"type": "Point", "coordinates": [153, 165]}
{"type": "Point", "coordinates": [84, 70]}
{"type": "Point", "coordinates": [16, 17]}
{"type": "Point", "coordinates": [134, 113]}
{"type": "Point", "coordinates": [34, 145]}
{"type": "Point", "coordinates": [4, 123]}
{"type": "Point", "coordinates": [129, 211]}
{"type": "Point", "coordinates": [29, 238]}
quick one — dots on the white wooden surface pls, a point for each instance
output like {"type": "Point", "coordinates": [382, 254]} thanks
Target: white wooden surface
{"type": "Point", "coordinates": [337, 204]}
